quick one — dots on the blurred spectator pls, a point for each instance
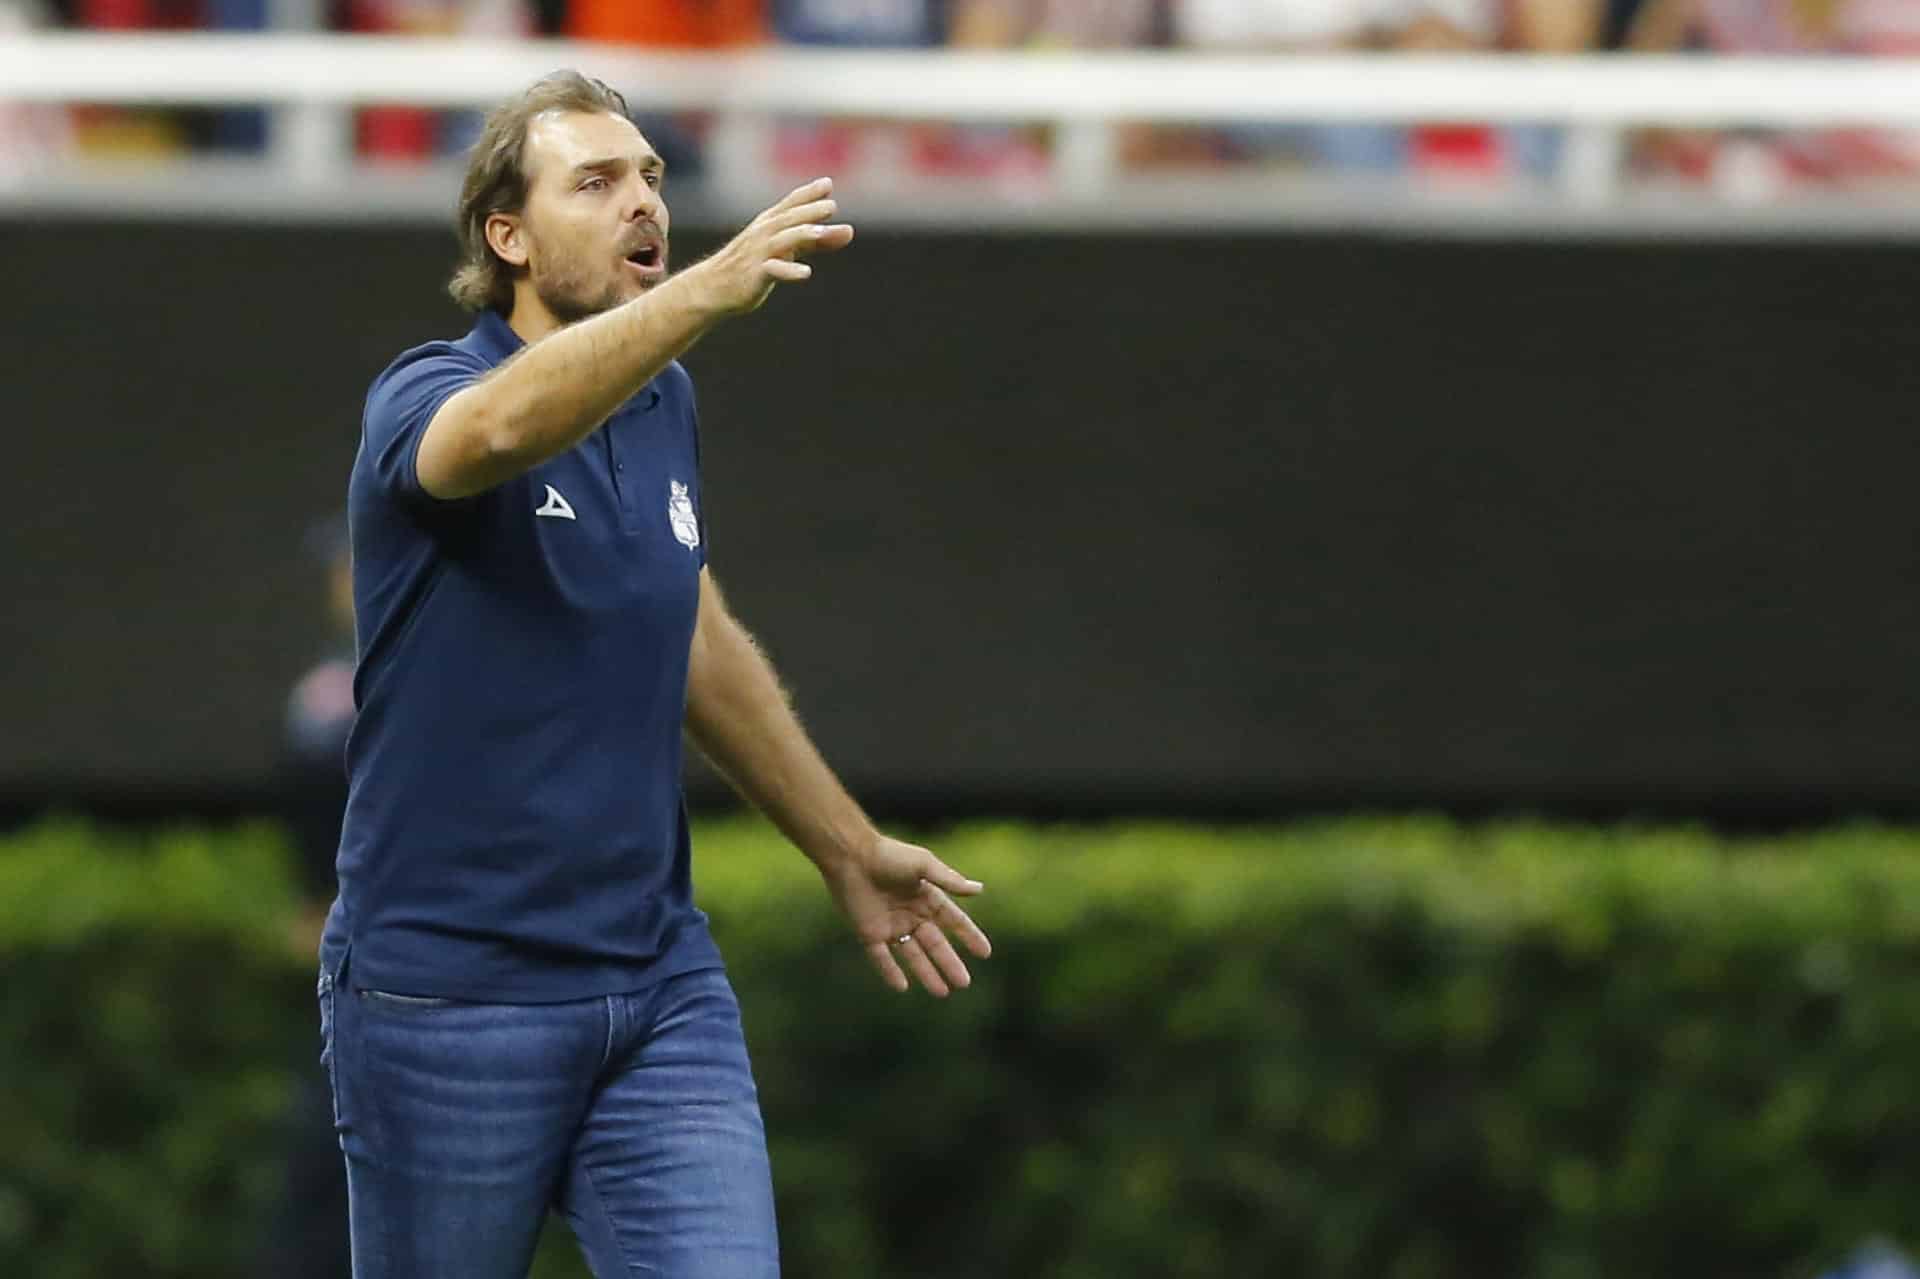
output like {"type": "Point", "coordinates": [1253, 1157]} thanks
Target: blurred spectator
{"type": "Point", "coordinates": [29, 132]}
{"type": "Point", "coordinates": [1585, 26]}
{"type": "Point", "coordinates": [871, 24]}
{"type": "Point", "coordinates": [237, 128]}
{"type": "Point", "coordinates": [1810, 26]}
{"type": "Point", "coordinates": [1759, 163]}
{"type": "Point", "coordinates": [670, 24]}
{"type": "Point", "coordinates": [308, 1237]}
{"type": "Point", "coordinates": [1554, 28]}
{"type": "Point", "coordinates": [675, 24]}
{"type": "Point", "coordinates": [414, 134]}
{"type": "Point", "coordinates": [1349, 25]}
{"type": "Point", "coordinates": [126, 130]}
{"type": "Point", "coordinates": [319, 716]}
{"type": "Point", "coordinates": [1065, 24]}
{"type": "Point", "coordinates": [1022, 153]}
{"type": "Point", "coordinates": [1337, 24]}
{"type": "Point", "coordinates": [874, 149]}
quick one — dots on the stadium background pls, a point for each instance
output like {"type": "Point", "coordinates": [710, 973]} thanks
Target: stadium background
{"type": "Point", "coordinates": [1434, 699]}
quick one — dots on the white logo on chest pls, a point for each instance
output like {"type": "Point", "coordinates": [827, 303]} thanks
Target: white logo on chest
{"type": "Point", "coordinates": [686, 528]}
{"type": "Point", "coordinates": [556, 507]}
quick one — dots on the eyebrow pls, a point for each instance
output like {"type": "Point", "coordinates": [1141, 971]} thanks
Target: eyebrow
{"type": "Point", "coordinates": [649, 163]}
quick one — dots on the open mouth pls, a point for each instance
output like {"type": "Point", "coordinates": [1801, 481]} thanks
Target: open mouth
{"type": "Point", "coordinates": [647, 257]}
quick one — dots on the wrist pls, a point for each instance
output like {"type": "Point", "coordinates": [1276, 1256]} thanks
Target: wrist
{"type": "Point", "coordinates": [841, 844]}
{"type": "Point", "coordinates": [701, 292]}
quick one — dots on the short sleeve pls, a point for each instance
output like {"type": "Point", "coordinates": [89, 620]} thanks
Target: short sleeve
{"type": "Point", "coordinates": [400, 404]}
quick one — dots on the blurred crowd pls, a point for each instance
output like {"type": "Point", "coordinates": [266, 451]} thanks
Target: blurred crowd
{"type": "Point", "coordinates": [400, 135]}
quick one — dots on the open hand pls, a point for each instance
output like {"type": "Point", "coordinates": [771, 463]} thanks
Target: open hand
{"type": "Point", "coordinates": [899, 899]}
{"type": "Point", "coordinates": [763, 254]}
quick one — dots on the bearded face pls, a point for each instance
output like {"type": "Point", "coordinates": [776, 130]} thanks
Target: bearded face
{"type": "Point", "coordinates": [594, 229]}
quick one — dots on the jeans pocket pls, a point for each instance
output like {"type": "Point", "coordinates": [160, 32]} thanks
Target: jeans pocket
{"type": "Point", "coordinates": [403, 1003]}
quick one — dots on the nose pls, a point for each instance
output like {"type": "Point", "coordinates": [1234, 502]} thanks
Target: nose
{"type": "Point", "coordinates": [643, 200]}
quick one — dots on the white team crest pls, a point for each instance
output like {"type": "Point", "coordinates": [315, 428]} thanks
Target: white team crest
{"type": "Point", "coordinates": [686, 528]}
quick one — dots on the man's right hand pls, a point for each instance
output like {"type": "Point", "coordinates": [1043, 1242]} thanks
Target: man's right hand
{"type": "Point", "coordinates": [739, 277]}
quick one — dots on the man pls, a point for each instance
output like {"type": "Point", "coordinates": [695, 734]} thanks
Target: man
{"type": "Point", "coordinates": [521, 1007]}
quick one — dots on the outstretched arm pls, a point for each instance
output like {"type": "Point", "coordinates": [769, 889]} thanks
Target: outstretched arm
{"type": "Point", "coordinates": [898, 897]}
{"type": "Point", "coordinates": [556, 392]}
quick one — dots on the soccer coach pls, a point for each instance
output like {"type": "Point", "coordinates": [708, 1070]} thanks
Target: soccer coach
{"type": "Point", "coordinates": [521, 1008]}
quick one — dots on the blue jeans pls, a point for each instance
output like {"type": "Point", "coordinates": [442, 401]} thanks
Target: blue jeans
{"type": "Point", "coordinates": [635, 1115]}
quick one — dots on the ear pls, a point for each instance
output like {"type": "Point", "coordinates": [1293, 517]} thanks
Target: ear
{"type": "Point", "coordinates": [506, 237]}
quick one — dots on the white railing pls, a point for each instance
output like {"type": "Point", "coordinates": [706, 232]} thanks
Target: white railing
{"type": "Point", "coordinates": [313, 80]}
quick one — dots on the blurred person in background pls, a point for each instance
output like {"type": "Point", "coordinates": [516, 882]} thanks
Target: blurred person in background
{"type": "Point", "coordinates": [1562, 28]}
{"type": "Point", "coordinates": [877, 149]}
{"type": "Point", "coordinates": [1756, 164]}
{"type": "Point", "coordinates": [1343, 26]}
{"type": "Point", "coordinates": [521, 1007]}
{"type": "Point", "coordinates": [669, 24]}
{"type": "Point", "coordinates": [860, 24]}
{"type": "Point", "coordinates": [711, 25]}
{"type": "Point", "coordinates": [131, 131]}
{"type": "Point", "coordinates": [412, 135]}
{"type": "Point", "coordinates": [1589, 26]}
{"type": "Point", "coordinates": [319, 715]}
{"type": "Point", "coordinates": [30, 132]}
{"type": "Point", "coordinates": [1059, 24]}
{"type": "Point", "coordinates": [1043, 25]}
{"type": "Point", "coordinates": [308, 1237]}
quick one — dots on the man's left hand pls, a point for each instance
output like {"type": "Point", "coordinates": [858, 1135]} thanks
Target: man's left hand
{"type": "Point", "coordinates": [899, 898]}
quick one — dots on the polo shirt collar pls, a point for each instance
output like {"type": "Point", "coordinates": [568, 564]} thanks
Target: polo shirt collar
{"type": "Point", "coordinates": [494, 336]}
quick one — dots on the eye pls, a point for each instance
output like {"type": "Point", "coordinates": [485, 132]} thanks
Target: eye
{"type": "Point", "coordinates": [654, 179]}
{"type": "Point", "coordinates": [594, 184]}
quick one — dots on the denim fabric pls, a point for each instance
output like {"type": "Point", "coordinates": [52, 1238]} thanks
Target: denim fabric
{"type": "Point", "coordinates": [634, 1115]}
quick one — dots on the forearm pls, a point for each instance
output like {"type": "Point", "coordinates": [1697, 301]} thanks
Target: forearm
{"type": "Point", "coordinates": [740, 718]}
{"type": "Point", "coordinates": [557, 391]}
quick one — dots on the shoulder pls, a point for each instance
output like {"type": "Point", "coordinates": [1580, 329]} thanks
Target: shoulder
{"type": "Point", "coordinates": [454, 358]}
{"type": "Point", "coordinates": [406, 393]}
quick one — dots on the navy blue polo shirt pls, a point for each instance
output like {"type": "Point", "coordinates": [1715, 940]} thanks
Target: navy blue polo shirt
{"type": "Point", "coordinates": [514, 828]}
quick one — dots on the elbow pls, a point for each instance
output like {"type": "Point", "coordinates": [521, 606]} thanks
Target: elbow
{"type": "Point", "coordinates": [494, 439]}
{"type": "Point", "coordinates": [496, 444]}
{"type": "Point", "coordinates": [468, 451]}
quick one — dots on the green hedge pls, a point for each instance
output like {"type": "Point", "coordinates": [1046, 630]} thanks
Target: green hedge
{"type": "Point", "coordinates": [1389, 1049]}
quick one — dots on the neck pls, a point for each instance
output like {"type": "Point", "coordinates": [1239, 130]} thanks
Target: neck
{"type": "Point", "coordinates": [529, 317]}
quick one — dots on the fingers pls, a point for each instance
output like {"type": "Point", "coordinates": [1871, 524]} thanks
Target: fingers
{"type": "Point", "coordinates": [817, 211]}
{"type": "Point", "coordinates": [883, 962]}
{"type": "Point", "coordinates": [919, 914]}
{"type": "Point", "coordinates": [940, 951]}
{"type": "Point", "coordinates": [818, 189]}
{"type": "Point", "coordinates": [762, 255]}
{"type": "Point", "coordinates": [948, 915]}
{"type": "Point", "coordinates": [787, 272]}
{"type": "Point", "coordinates": [914, 956]}
{"type": "Point", "coordinates": [809, 239]}
{"type": "Point", "coordinates": [836, 235]}
{"type": "Point", "coordinates": [941, 875]}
